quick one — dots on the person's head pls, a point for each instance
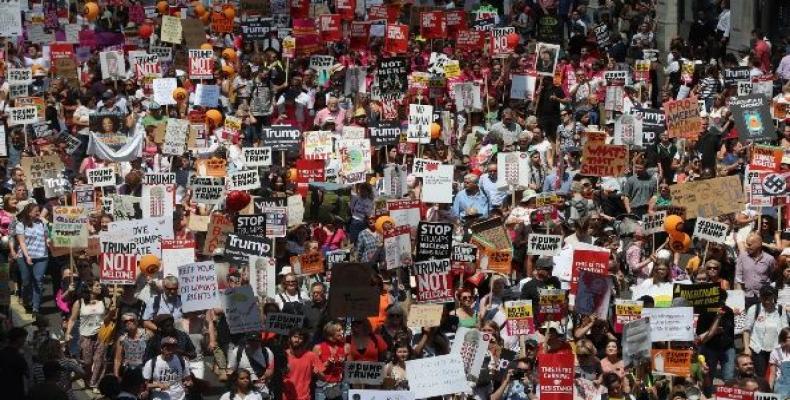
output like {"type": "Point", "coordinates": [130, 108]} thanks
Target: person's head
{"type": "Point", "coordinates": [754, 244]}
{"type": "Point", "coordinates": [110, 386]}
{"type": "Point", "coordinates": [612, 348]}
{"type": "Point", "coordinates": [613, 384]}
{"type": "Point", "coordinates": [507, 115]}
{"type": "Point", "coordinates": [585, 348]}
{"type": "Point", "coordinates": [290, 282]}
{"type": "Point", "coordinates": [9, 203]}
{"type": "Point", "coordinates": [129, 321]}
{"type": "Point", "coordinates": [297, 339]}
{"type": "Point", "coordinates": [241, 380]}
{"type": "Point", "coordinates": [489, 327]}
{"type": "Point", "coordinates": [164, 323]}
{"type": "Point", "coordinates": [168, 345]}
{"type": "Point", "coordinates": [768, 297]}
{"type": "Point", "coordinates": [465, 297]}
{"type": "Point", "coordinates": [333, 332]}
{"type": "Point", "coordinates": [50, 350]}
{"type": "Point", "coordinates": [170, 286]}
{"type": "Point", "coordinates": [566, 115]}
{"type": "Point", "coordinates": [360, 327]}
{"type": "Point", "coordinates": [639, 168]}
{"type": "Point", "coordinates": [498, 284]}
{"type": "Point", "coordinates": [332, 104]}
{"type": "Point", "coordinates": [30, 213]}
{"type": "Point", "coordinates": [712, 270]}
{"type": "Point", "coordinates": [318, 292]}
{"type": "Point", "coordinates": [784, 338]}
{"type": "Point", "coordinates": [744, 364]}
{"type": "Point", "coordinates": [492, 171]}
{"type": "Point", "coordinates": [233, 279]}
{"type": "Point", "coordinates": [470, 182]}
{"type": "Point", "coordinates": [543, 268]}
{"type": "Point", "coordinates": [402, 351]}
{"type": "Point", "coordinates": [132, 381]}
{"type": "Point", "coordinates": [395, 315]}
{"type": "Point", "coordinates": [661, 272]}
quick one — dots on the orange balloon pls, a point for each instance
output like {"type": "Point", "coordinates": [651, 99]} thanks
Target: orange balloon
{"type": "Point", "coordinates": [200, 9]}
{"type": "Point", "coordinates": [673, 223]}
{"type": "Point", "coordinates": [229, 12]}
{"type": "Point", "coordinates": [179, 94]}
{"type": "Point", "coordinates": [682, 245]}
{"type": "Point", "coordinates": [91, 11]}
{"type": "Point", "coordinates": [162, 7]}
{"type": "Point", "coordinates": [229, 54]}
{"type": "Point", "coordinates": [228, 69]}
{"type": "Point", "coordinates": [676, 235]}
{"type": "Point", "coordinates": [206, 46]}
{"type": "Point", "coordinates": [214, 116]}
{"type": "Point", "coordinates": [436, 130]}
{"type": "Point", "coordinates": [149, 264]}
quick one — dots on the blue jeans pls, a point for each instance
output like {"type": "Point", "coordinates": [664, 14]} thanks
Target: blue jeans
{"type": "Point", "coordinates": [32, 275]}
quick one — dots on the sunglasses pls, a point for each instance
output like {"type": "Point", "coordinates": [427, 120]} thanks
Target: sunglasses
{"type": "Point", "coordinates": [467, 297]}
{"type": "Point", "coordinates": [290, 281]}
{"type": "Point", "coordinates": [130, 320]}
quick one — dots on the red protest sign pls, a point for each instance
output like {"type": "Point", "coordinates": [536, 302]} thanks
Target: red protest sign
{"type": "Point", "coordinates": [396, 39]}
{"type": "Point", "coordinates": [201, 64]}
{"type": "Point", "coordinates": [308, 171]}
{"type": "Point", "coordinates": [61, 50]}
{"type": "Point", "coordinates": [766, 158]}
{"type": "Point", "coordinates": [220, 23]}
{"type": "Point", "coordinates": [346, 9]}
{"type": "Point", "coordinates": [455, 21]}
{"type": "Point", "coordinates": [300, 8]}
{"type": "Point", "coordinates": [555, 376]}
{"type": "Point", "coordinates": [388, 12]}
{"type": "Point", "coordinates": [434, 282]}
{"type": "Point", "coordinates": [360, 31]}
{"type": "Point", "coordinates": [329, 27]}
{"type": "Point", "coordinates": [588, 260]}
{"type": "Point", "coordinates": [306, 35]}
{"type": "Point", "coordinates": [118, 263]}
{"type": "Point", "coordinates": [733, 393]}
{"type": "Point", "coordinates": [432, 25]}
{"type": "Point", "coordinates": [470, 40]}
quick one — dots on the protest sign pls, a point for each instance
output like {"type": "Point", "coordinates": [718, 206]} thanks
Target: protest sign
{"type": "Point", "coordinates": [158, 201]}
{"type": "Point", "coordinates": [513, 168]}
{"type": "Point", "coordinates": [668, 324]}
{"type": "Point", "coordinates": [653, 223]}
{"type": "Point", "coordinates": [438, 185]}
{"type": "Point", "coordinates": [22, 115]}
{"type": "Point", "coordinates": [420, 118]}
{"type": "Point", "coordinates": [682, 118]}
{"type": "Point", "coordinates": [354, 292]}
{"type": "Point", "coordinates": [491, 233]}
{"type": "Point", "coordinates": [625, 312]}
{"type": "Point", "coordinates": [198, 286]}
{"type": "Point", "coordinates": [308, 263]}
{"type": "Point", "coordinates": [176, 132]}
{"type": "Point", "coordinates": [101, 177]}
{"type": "Point", "coordinates": [207, 189]}
{"type": "Point", "coordinates": [734, 75]}
{"type": "Point", "coordinates": [637, 341]}
{"type": "Point", "coordinates": [404, 212]}
{"type": "Point", "coordinates": [628, 130]}
{"type": "Point", "coordinates": [767, 396]}
{"type": "Point", "coordinates": [84, 196]}
{"type": "Point", "coordinates": [588, 260]}
{"type": "Point", "coordinates": [496, 261]}
{"type": "Point", "coordinates": [471, 345]}
{"type": "Point", "coordinates": [425, 315]}
{"type": "Point", "coordinates": [364, 373]}
{"type": "Point", "coordinates": [674, 362]}
{"type": "Point", "coordinates": [397, 247]}
{"type": "Point", "coordinates": [262, 273]}
{"type": "Point", "coordinates": [434, 283]}
{"type": "Point", "coordinates": [523, 86]}
{"type": "Point", "coordinates": [434, 240]}
{"type": "Point", "coordinates": [520, 319]}
{"type": "Point", "coordinates": [357, 394]}
{"type": "Point", "coordinates": [238, 248]}
{"type": "Point", "coordinates": [253, 224]}
{"type": "Point", "coordinates": [118, 262]}
{"type": "Point", "coordinates": [593, 293]}
{"type": "Point", "coordinates": [736, 300]}
{"type": "Point", "coordinates": [329, 26]}
{"type": "Point", "coordinates": [432, 25]}
{"type": "Point", "coordinates": [318, 145]}
{"type": "Point", "coordinates": [396, 38]}
{"type": "Point", "coordinates": [752, 117]}
{"type": "Point", "coordinates": [704, 297]}
{"type": "Point", "coordinates": [207, 95]}
{"type": "Point", "coordinates": [163, 90]}
{"type": "Point", "coordinates": [276, 221]}
{"type": "Point", "coordinates": [465, 253]}
{"type": "Point", "coordinates": [218, 229]}
{"type": "Point", "coordinates": [711, 230]}
{"type": "Point", "coordinates": [241, 310]}
{"type": "Point", "coordinates": [176, 252]}
{"type": "Point", "coordinates": [553, 306]}
{"type": "Point", "coordinates": [500, 43]}
{"type": "Point", "coordinates": [282, 137]}
{"type": "Point", "coordinates": [603, 159]}
{"type": "Point", "coordinates": [282, 323]}
{"type": "Point", "coordinates": [696, 199]}
{"type": "Point", "coordinates": [661, 293]}
{"type": "Point", "coordinates": [171, 30]}
{"type": "Point", "coordinates": [244, 180]}
{"type": "Point", "coordinates": [201, 64]}
{"type": "Point", "coordinates": [384, 134]}
{"type": "Point", "coordinates": [147, 233]}
{"type": "Point", "coordinates": [113, 65]}
{"type": "Point", "coordinates": [355, 159]}
{"type": "Point", "coordinates": [734, 393]}
{"type": "Point", "coordinates": [543, 245]}
{"type": "Point", "coordinates": [392, 74]}
{"type": "Point", "coordinates": [69, 227]}
{"type": "Point", "coordinates": [555, 376]}
{"type": "Point", "coordinates": [257, 156]}
{"type": "Point", "coordinates": [766, 158]}
{"type": "Point", "coordinates": [164, 178]}
{"type": "Point", "coordinates": [436, 376]}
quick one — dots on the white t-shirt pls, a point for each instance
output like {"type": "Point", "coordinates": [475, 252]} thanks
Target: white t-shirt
{"type": "Point", "coordinates": [170, 372]}
{"type": "Point", "coordinates": [252, 395]}
{"type": "Point", "coordinates": [244, 362]}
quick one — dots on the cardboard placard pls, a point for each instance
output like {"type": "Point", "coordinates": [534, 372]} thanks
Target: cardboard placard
{"type": "Point", "coordinates": [434, 240]}
{"type": "Point", "coordinates": [668, 324]}
{"type": "Point", "coordinates": [674, 362]}
{"type": "Point", "coordinates": [704, 297]}
{"type": "Point", "coordinates": [198, 286]}
{"type": "Point", "coordinates": [118, 262]}
{"type": "Point", "coordinates": [682, 118]}
{"type": "Point", "coordinates": [425, 315]}
{"type": "Point", "coordinates": [544, 245]}
{"type": "Point", "coordinates": [364, 373]}
{"type": "Point", "coordinates": [626, 311]}
{"type": "Point", "coordinates": [176, 252]}
{"type": "Point", "coordinates": [555, 376]}
{"type": "Point", "coordinates": [282, 323]}
{"type": "Point", "coordinates": [436, 376]}
{"type": "Point", "coordinates": [604, 159]}
{"type": "Point", "coordinates": [70, 227]}
{"type": "Point", "coordinates": [397, 247]}
{"type": "Point", "coordinates": [696, 199]}
{"type": "Point", "coordinates": [711, 230]}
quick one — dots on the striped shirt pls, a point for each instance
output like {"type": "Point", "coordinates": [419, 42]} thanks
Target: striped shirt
{"type": "Point", "coordinates": [35, 238]}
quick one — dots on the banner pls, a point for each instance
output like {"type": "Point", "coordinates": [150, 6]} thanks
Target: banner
{"type": "Point", "coordinates": [118, 263]}
{"type": "Point", "coordinates": [282, 323]}
{"type": "Point", "coordinates": [198, 286]}
{"type": "Point", "coordinates": [752, 115]}
{"type": "Point", "coordinates": [682, 118]}
{"type": "Point", "coordinates": [555, 376]}
{"type": "Point", "coordinates": [544, 245]}
{"type": "Point", "coordinates": [434, 283]}
{"type": "Point", "coordinates": [241, 310]}
{"type": "Point", "coordinates": [434, 240]}
{"type": "Point", "coordinates": [668, 324]}
{"type": "Point", "coordinates": [436, 376]}
{"type": "Point", "coordinates": [364, 373]}
{"type": "Point", "coordinates": [711, 230]}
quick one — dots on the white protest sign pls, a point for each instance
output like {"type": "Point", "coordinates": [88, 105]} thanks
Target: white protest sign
{"type": "Point", "coordinates": [171, 30]}
{"type": "Point", "coordinates": [22, 115]}
{"type": "Point", "coordinates": [176, 253]}
{"type": "Point", "coordinates": [206, 95]}
{"type": "Point", "coordinates": [147, 233]}
{"type": "Point", "coordinates": [711, 230]}
{"type": "Point", "coordinates": [318, 145]}
{"type": "Point", "coordinates": [544, 245]}
{"type": "Point", "coordinates": [653, 223]}
{"type": "Point", "coordinates": [163, 90]}
{"type": "Point", "coordinates": [19, 76]}
{"type": "Point", "coordinates": [257, 156]}
{"type": "Point", "coordinates": [11, 18]}
{"type": "Point", "coordinates": [420, 117]}
{"type": "Point", "coordinates": [438, 185]}
{"type": "Point", "coordinates": [436, 376]}
{"type": "Point", "coordinates": [113, 65]}
{"type": "Point", "coordinates": [101, 177]}
{"type": "Point", "coordinates": [197, 283]}
{"type": "Point", "coordinates": [736, 300]}
{"type": "Point", "coordinates": [282, 323]}
{"type": "Point", "coordinates": [364, 373]}
{"type": "Point", "coordinates": [471, 345]}
{"type": "Point", "coordinates": [421, 165]}
{"type": "Point", "coordinates": [513, 169]}
{"type": "Point", "coordinates": [262, 276]}
{"type": "Point", "coordinates": [207, 189]}
{"type": "Point", "coordinates": [176, 133]}
{"type": "Point", "coordinates": [244, 180]}
{"type": "Point", "coordinates": [636, 341]}
{"type": "Point", "coordinates": [241, 310]}
{"type": "Point", "coordinates": [668, 324]}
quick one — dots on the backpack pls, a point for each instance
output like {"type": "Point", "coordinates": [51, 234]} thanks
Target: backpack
{"type": "Point", "coordinates": [292, 307]}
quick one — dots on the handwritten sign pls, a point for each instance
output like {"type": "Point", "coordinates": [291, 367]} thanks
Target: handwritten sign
{"type": "Point", "coordinates": [198, 286]}
{"type": "Point", "coordinates": [682, 118]}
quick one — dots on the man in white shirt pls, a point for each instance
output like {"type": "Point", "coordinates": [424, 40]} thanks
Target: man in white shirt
{"type": "Point", "coordinates": [166, 372]}
{"type": "Point", "coordinates": [723, 25]}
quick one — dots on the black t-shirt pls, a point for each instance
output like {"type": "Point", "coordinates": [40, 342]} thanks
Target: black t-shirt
{"type": "Point", "coordinates": [726, 338]}
{"type": "Point", "coordinates": [612, 204]}
{"type": "Point", "coordinates": [708, 145]}
{"type": "Point", "coordinates": [548, 107]}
